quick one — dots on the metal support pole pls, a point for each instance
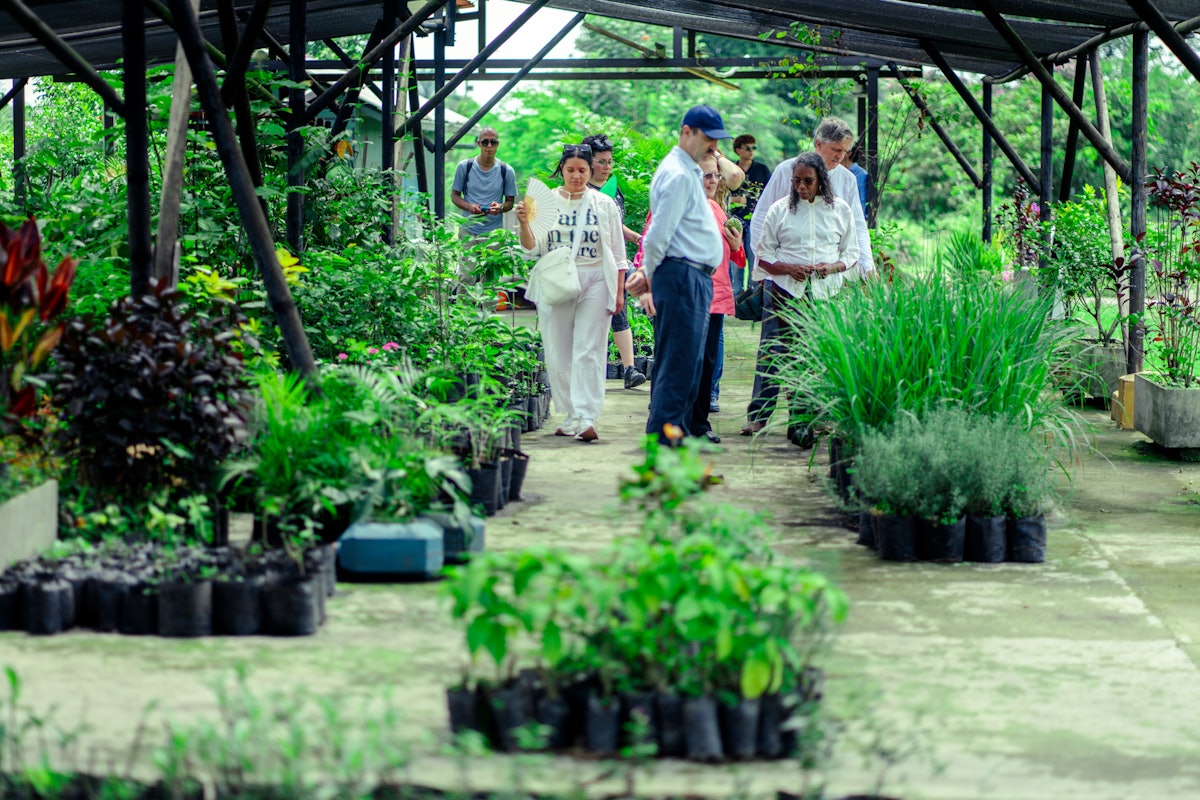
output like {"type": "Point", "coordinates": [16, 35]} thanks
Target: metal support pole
{"type": "Point", "coordinates": [297, 29]}
{"type": "Point", "coordinates": [988, 157]}
{"type": "Point", "coordinates": [1135, 348]}
{"type": "Point", "coordinates": [483, 110]}
{"type": "Point", "coordinates": [1030, 59]}
{"type": "Point", "coordinates": [20, 179]}
{"type": "Point", "coordinates": [235, 94]}
{"type": "Point", "coordinates": [1064, 190]}
{"type": "Point", "coordinates": [444, 89]}
{"type": "Point", "coordinates": [242, 49]}
{"type": "Point", "coordinates": [919, 102]}
{"type": "Point", "coordinates": [387, 156]}
{"type": "Point", "coordinates": [1046, 175]}
{"type": "Point", "coordinates": [1168, 34]}
{"type": "Point", "coordinates": [137, 145]}
{"type": "Point", "coordinates": [984, 118]}
{"type": "Point", "coordinates": [262, 244]}
{"type": "Point", "coordinates": [439, 121]}
{"type": "Point", "coordinates": [872, 144]}
{"type": "Point", "coordinates": [419, 150]}
{"type": "Point", "coordinates": [406, 28]}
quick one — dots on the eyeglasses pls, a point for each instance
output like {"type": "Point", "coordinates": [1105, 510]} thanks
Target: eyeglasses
{"type": "Point", "coordinates": [803, 181]}
{"type": "Point", "coordinates": [572, 150]}
{"type": "Point", "coordinates": [602, 163]}
{"type": "Point", "coordinates": [711, 176]}
{"type": "Point", "coordinates": [489, 142]}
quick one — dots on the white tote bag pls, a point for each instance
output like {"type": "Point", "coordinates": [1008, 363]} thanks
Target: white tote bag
{"type": "Point", "coordinates": [554, 279]}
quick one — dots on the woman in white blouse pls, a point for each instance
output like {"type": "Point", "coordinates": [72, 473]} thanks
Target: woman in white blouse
{"type": "Point", "coordinates": [575, 333]}
{"type": "Point", "coordinates": [807, 243]}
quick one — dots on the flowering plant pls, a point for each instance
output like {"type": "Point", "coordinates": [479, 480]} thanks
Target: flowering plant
{"type": "Point", "coordinates": [1173, 266]}
{"type": "Point", "coordinates": [356, 352]}
{"type": "Point", "coordinates": [1020, 218]}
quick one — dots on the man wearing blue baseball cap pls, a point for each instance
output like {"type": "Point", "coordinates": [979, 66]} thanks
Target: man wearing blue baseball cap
{"type": "Point", "coordinates": [680, 251]}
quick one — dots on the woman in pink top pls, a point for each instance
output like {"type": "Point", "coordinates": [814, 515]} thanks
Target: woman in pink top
{"type": "Point", "coordinates": [722, 304]}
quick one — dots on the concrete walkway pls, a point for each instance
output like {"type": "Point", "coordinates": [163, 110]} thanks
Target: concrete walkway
{"type": "Point", "coordinates": [1073, 679]}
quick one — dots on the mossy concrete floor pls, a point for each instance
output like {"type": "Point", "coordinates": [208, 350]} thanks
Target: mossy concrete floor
{"type": "Point", "coordinates": [1073, 679]}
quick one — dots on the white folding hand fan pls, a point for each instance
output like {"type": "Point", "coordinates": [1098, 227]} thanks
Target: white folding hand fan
{"type": "Point", "coordinates": [542, 205]}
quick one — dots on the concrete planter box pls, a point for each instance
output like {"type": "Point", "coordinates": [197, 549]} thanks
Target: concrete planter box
{"type": "Point", "coordinates": [1102, 366]}
{"type": "Point", "coordinates": [28, 523]}
{"type": "Point", "coordinates": [1167, 414]}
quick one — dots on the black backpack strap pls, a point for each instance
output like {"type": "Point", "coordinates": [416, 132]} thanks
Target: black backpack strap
{"type": "Point", "coordinates": [467, 178]}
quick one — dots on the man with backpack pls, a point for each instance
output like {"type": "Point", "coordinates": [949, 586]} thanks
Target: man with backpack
{"type": "Point", "coordinates": [484, 186]}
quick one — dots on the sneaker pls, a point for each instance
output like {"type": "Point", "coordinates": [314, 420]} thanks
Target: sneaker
{"type": "Point", "coordinates": [588, 434]}
{"type": "Point", "coordinates": [633, 378]}
{"type": "Point", "coordinates": [569, 427]}
{"type": "Point", "coordinates": [714, 407]}
{"type": "Point", "coordinates": [752, 427]}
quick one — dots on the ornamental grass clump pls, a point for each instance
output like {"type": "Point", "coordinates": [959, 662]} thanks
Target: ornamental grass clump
{"type": "Point", "coordinates": [862, 360]}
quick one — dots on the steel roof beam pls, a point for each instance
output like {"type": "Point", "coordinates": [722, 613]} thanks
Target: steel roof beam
{"type": "Point", "coordinates": [62, 51]}
{"type": "Point", "coordinates": [984, 118]}
{"type": "Point", "coordinates": [952, 148]}
{"type": "Point", "coordinates": [1167, 33]}
{"type": "Point", "coordinates": [443, 92]}
{"type": "Point", "coordinates": [1102, 145]}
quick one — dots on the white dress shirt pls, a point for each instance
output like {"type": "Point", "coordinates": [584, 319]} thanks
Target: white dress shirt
{"type": "Point", "coordinates": [682, 224]}
{"type": "Point", "coordinates": [815, 233]}
{"type": "Point", "coordinates": [844, 185]}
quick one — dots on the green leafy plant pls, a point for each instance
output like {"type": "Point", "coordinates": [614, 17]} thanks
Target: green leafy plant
{"type": "Point", "coordinates": [1173, 295]}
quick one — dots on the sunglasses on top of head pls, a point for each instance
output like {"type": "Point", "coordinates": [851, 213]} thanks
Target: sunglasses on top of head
{"type": "Point", "coordinates": [572, 150]}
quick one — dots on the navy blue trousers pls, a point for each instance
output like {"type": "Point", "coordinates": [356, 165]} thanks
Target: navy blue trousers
{"type": "Point", "coordinates": [682, 298]}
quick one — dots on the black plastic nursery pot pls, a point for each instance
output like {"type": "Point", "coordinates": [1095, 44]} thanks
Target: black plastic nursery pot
{"type": "Point", "coordinates": [866, 530]}
{"type": "Point", "coordinates": [237, 606]}
{"type": "Point", "coordinates": [463, 707]}
{"type": "Point", "coordinates": [771, 716]}
{"type": "Point", "coordinates": [669, 720]}
{"type": "Point", "coordinates": [554, 714]}
{"type": "Point", "coordinates": [941, 542]}
{"type": "Point", "coordinates": [895, 537]}
{"type": "Point", "coordinates": [602, 726]}
{"type": "Point", "coordinates": [638, 713]}
{"type": "Point", "coordinates": [702, 729]}
{"type": "Point", "coordinates": [1027, 539]}
{"type": "Point", "coordinates": [505, 486]}
{"type": "Point", "coordinates": [613, 372]}
{"type": "Point", "coordinates": [10, 619]}
{"type": "Point", "coordinates": [49, 607]}
{"type": "Point", "coordinates": [290, 606]}
{"type": "Point", "coordinates": [139, 610]}
{"type": "Point", "coordinates": [520, 464]}
{"type": "Point", "coordinates": [185, 609]}
{"type": "Point", "coordinates": [485, 490]}
{"type": "Point", "coordinates": [986, 539]}
{"type": "Point", "coordinates": [739, 728]}
{"type": "Point", "coordinates": [507, 706]}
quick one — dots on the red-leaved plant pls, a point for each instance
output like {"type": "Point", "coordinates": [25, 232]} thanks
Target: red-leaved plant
{"type": "Point", "coordinates": [30, 301]}
{"type": "Point", "coordinates": [1173, 273]}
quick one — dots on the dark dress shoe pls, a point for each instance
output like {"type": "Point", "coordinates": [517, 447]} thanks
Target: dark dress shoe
{"type": "Point", "coordinates": [711, 435]}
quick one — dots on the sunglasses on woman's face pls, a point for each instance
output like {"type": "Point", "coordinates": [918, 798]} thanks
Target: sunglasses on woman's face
{"type": "Point", "coordinates": [572, 150]}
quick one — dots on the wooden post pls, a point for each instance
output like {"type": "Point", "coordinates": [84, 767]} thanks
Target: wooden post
{"type": "Point", "coordinates": [988, 157]}
{"type": "Point", "coordinates": [295, 139]}
{"type": "Point", "coordinates": [1135, 345]}
{"type": "Point", "coordinates": [255, 222]}
{"type": "Point", "coordinates": [137, 145]}
{"type": "Point", "coordinates": [1064, 189]}
{"type": "Point", "coordinates": [1111, 196]}
{"type": "Point", "coordinates": [872, 145]}
{"type": "Point", "coordinates": [166, 252]}
{"type": "Point", "coordinates": [20, 179]}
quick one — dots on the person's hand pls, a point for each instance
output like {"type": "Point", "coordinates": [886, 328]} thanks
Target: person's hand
{"type": "Point", "coordinates": [522, 213]}
{"type": "Point", "coordinates": [620, 303]}
{"type": "Point", "coordinates": [733, 237]}
{"type": "Point", "coordinates": [647, 301]}
{"type": "Point", "coordinates": [476, 208]}
{"type": "Point", "coordinates": [636, 283]}
{"type": "Point", "coordinates": [494, 209]}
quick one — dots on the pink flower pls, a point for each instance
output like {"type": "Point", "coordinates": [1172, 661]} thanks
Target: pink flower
{"type": "Point", "coordinates": [372, 350]}
{"type": "Point", "coordinates": [391, 346]}
{"type": "Point", "coordinates": [1006, 275]}
{"type": "Point", "coordinates": [342, 356]}
{"type": "Point", "coordinates": [1035, 208]}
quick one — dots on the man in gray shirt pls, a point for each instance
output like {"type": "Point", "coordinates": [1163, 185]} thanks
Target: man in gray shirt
{"type": "Point", "coordinates": [484, 186]}
{"type": "Point", "coordinates": [680, 251]}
